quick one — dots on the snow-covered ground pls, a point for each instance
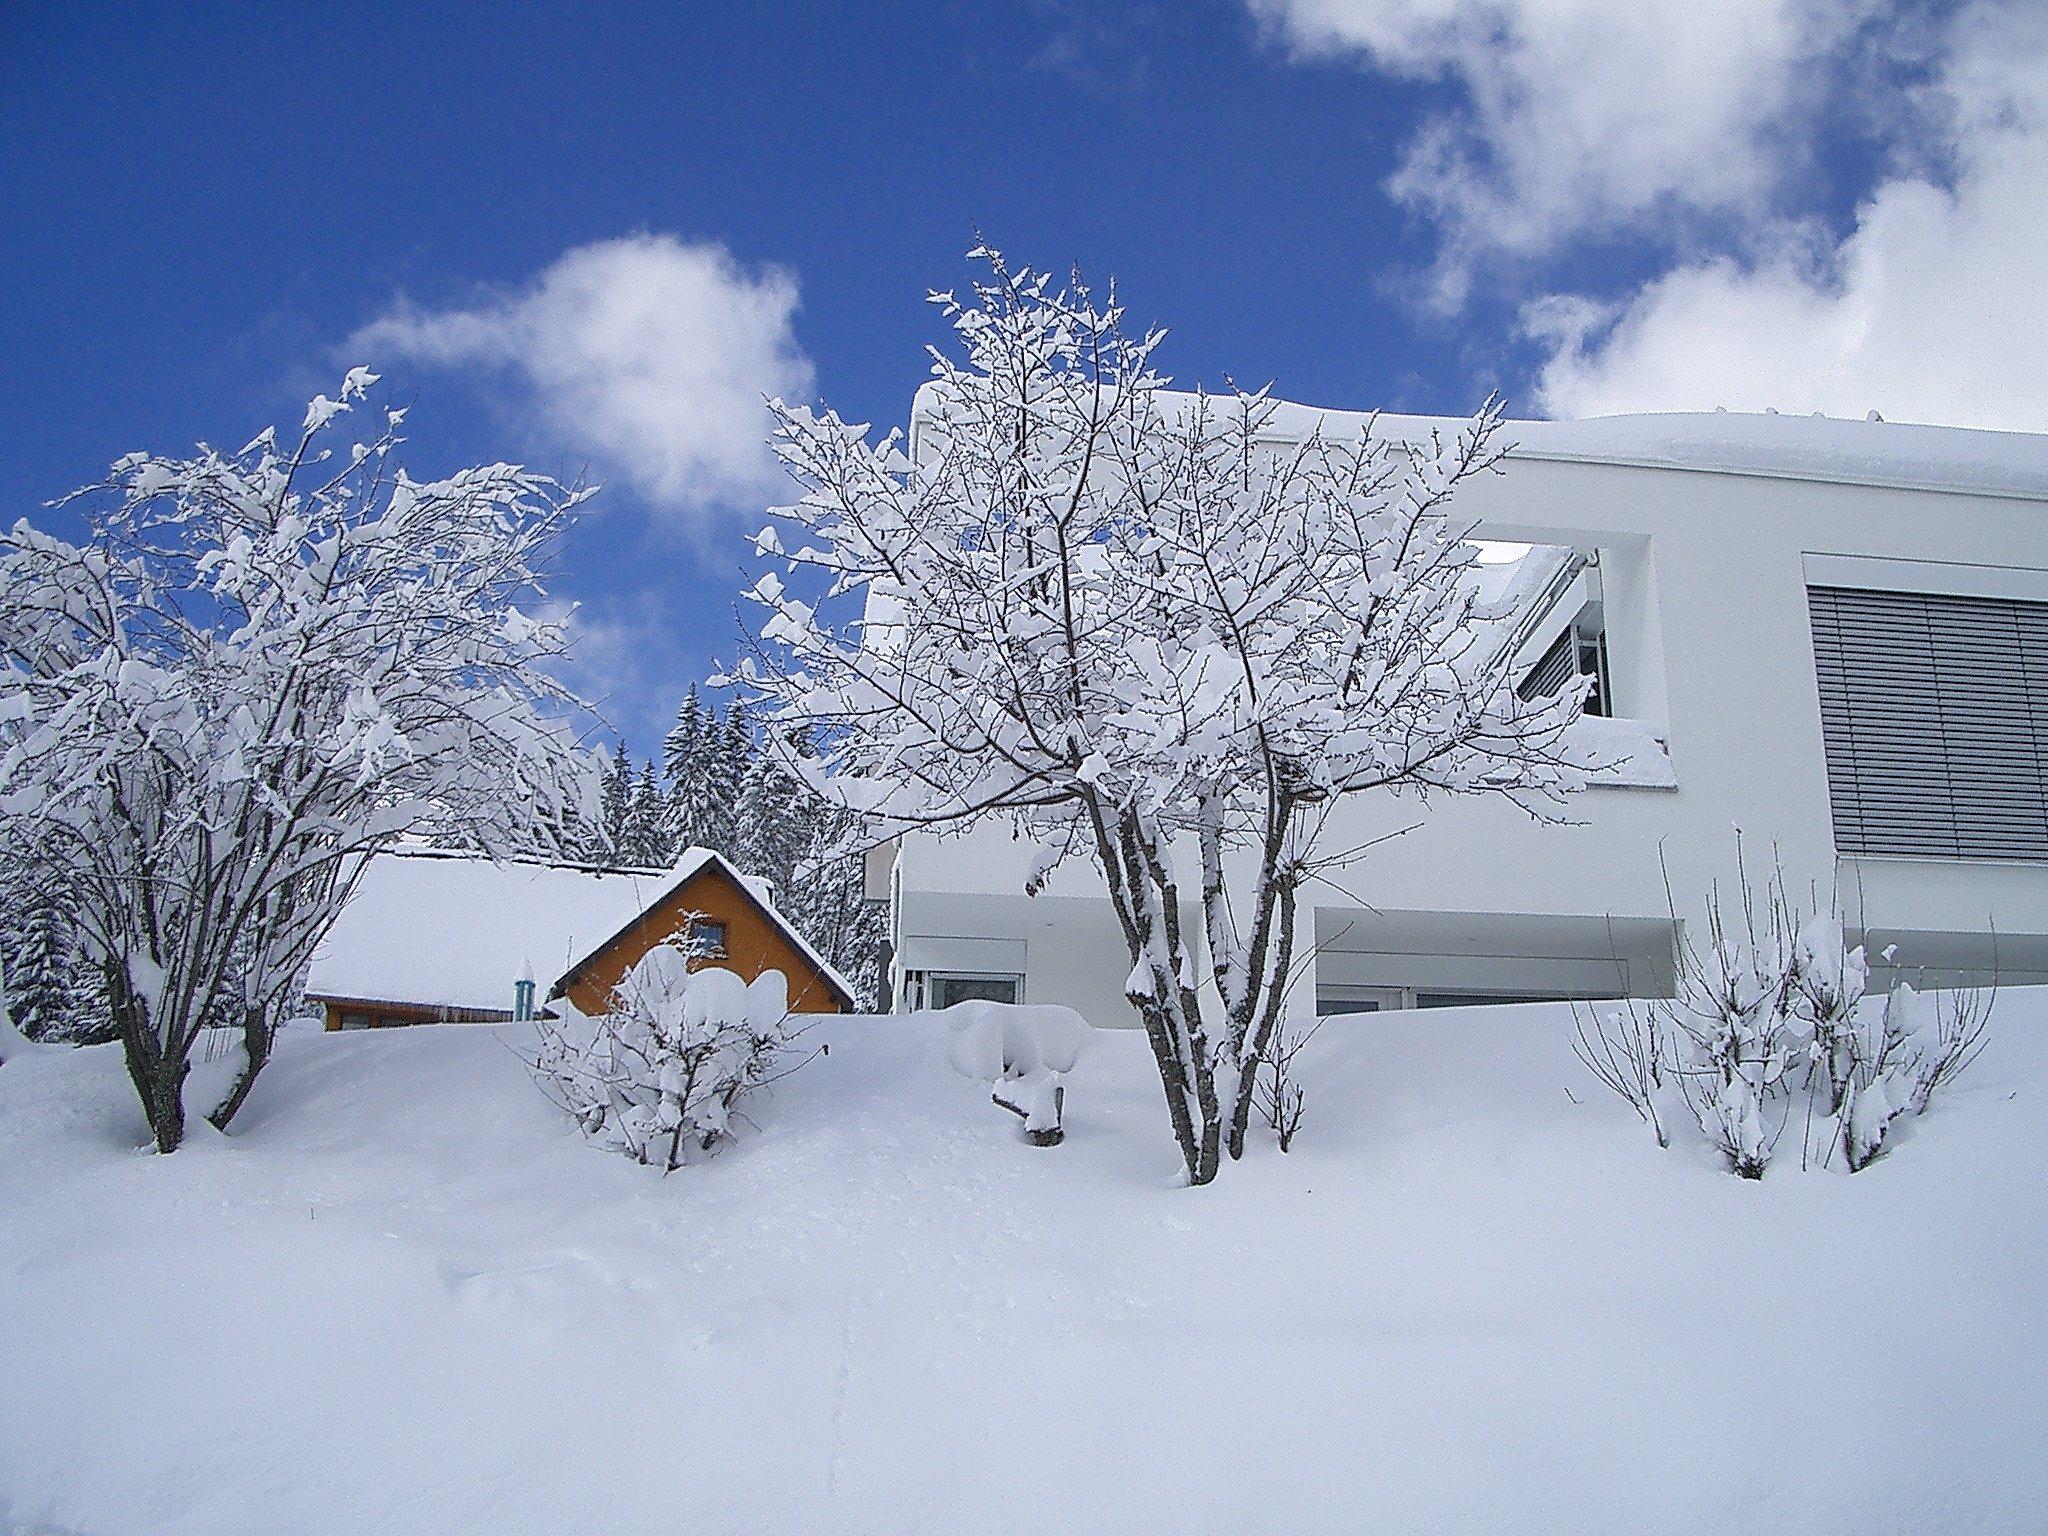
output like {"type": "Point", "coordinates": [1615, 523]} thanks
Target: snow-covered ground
{"type": "Point", "coordinates": [405, 1297]}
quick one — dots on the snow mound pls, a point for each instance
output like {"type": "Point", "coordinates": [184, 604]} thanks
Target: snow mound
{"type": "Point", "coordinates": [407, 1296]}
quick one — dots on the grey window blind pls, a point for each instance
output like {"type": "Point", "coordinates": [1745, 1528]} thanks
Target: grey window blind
{"type": "Point", "coordinates": [1553, 669]}
{"type": "Point", "coordinates": [1934, 709]}
{"type": "Point", "coordinates": [1576, 652]}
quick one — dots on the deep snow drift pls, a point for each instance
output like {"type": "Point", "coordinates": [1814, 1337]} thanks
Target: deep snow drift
{"type": "Point", "coordinates": [406, 1296]}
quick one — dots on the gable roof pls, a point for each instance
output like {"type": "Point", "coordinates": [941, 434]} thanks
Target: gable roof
{"type": "Point", "coordinates": [452, 930]}
{"type": "Point", "coordinates": [694, 862]}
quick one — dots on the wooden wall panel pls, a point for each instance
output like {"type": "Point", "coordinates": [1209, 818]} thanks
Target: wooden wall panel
{"type": "Point", "coordinates": [753, 944]}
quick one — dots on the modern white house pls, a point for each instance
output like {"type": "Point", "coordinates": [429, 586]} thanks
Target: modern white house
{"type": "Point", "coordinates": [1831, 635]}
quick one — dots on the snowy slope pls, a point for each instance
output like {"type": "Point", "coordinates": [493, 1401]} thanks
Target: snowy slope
{"type": "Point", "coordinates": [404, 1297]}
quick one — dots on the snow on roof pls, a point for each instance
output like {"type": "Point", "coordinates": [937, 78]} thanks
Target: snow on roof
{"type": "Point", "coordinates": [1885, 453]}
{"type": "Point", "coordinates": [1815, 447]}
{"type": "Point", "coordinates": [456, 931]}
{"type": "Point", "coordinates": [448, 930]}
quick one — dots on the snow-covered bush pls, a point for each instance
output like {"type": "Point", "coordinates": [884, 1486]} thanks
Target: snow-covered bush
{"type": "Point", "coordinates": [1773, 1025]}
{"type": "Point", "coordinates": [661, 1075]}
{"type": "Point", "coordinates": [1024, 1052]}
{"type": "Point", "coordinates": [257, 670]}
{"type": "Point", "coordinates": [1281, 1097]}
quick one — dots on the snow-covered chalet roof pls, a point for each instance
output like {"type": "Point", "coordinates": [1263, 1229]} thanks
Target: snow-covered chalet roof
{"type": "Point", "coordinates": [449, 930]}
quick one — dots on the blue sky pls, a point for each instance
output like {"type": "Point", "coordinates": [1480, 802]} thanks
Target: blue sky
{"type": "Point", "coordinates": [588, 237]}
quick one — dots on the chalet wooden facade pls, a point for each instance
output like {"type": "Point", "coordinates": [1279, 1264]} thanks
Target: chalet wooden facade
{"type": "Point", "coordinates": [431, 937]}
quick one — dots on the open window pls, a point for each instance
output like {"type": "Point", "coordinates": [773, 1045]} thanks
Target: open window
{"type": "Point", "coordinates": [1580, 650]}
{"type": "Point", "coordinates": [1554, 619]}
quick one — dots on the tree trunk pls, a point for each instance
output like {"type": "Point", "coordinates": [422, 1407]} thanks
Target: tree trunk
{"type": "Point", "coordinates": [1266, 1008]}
{"type": "Point", "coordinates": [256, 1039]}
{"type": "Point", "coordinates": [158, 1075]}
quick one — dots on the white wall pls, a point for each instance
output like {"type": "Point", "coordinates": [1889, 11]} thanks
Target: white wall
{"type": "Point", "coordinates": [1704, 586]}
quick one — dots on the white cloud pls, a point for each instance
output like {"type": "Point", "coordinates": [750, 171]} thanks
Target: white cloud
{"type": "Point", "coordinates": [1934, 308]}
{"type": "Point", "coordinates": [648, 354]}
{"type": "Point", "coordinates": [627, 659]}
{"type": "Point", "coordinates": [1577, 117]}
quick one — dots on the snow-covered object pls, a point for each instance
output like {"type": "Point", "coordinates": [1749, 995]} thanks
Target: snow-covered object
{"type": "Point", "coordinates": [454, 930]}
{"type": "Point", "coordinates": [992, 1042]}
{"type": "Point", "coordinates": [1032, 1046]}
{"type": "Point", "coordinates": [258, 669]}
{"type": "Point", "coordinates": [448, 930]}
{"type": "Point", "coordinates": [1746, 443]}
{"type": "Point", "coordinates": [660, 1075]}
{"type": "Point", "coordinates": [1142, 631]}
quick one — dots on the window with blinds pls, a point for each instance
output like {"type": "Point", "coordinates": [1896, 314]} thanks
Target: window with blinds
{"type": "Point", "coordinates": [1934, 709]}
{"type": "Point", "coordinates": [1578, 652]}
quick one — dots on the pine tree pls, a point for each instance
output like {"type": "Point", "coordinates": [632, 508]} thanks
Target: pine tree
{"type": "Point", "coordinates": [828, 900]}
{"type": "Point", "coordinates": [770, 824]}
{"type": "Point", "coordinates": [54, 990]}
{"type": "Point", "coordinates": [645, 839]}
{"type": "Point", "coordinates": [704, 778]}
{"type": "Point", "coordinates": [618, 804]}
{"type": "Point", "coordinates": [683, 749]}
{"type": "Point", "coordinates": [727, 772]}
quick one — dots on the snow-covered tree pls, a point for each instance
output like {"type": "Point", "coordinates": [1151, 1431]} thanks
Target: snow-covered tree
{"type": "Point", "coordinates": [644, 839]}
{"type": "Point", "coordinates": [54, 987]}
{"type": "Point", "coordinates": [51, 985]}
{"type": "Point", "coordinates": [680, 747]}
{"type": "Point", "coordinates": [682, 759]}
{"type": "Point", "coordinates": [258, 669]}
{"type": "Point", "coordinates": [13, 1043]}
{"type": "Point", "coordinates": [704, 761]}
{"type": "Point", "coordinates": [615, 810]}
{"type": "Point", "coordinates": [771, 824]}
{"type": "Point", "coordinates": [825, 895]}
{"type": "Point", "coordinates": [1148, 634]}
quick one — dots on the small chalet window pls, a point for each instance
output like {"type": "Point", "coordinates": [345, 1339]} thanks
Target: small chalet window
{"type": "Point", "coordinates": [707, 937]}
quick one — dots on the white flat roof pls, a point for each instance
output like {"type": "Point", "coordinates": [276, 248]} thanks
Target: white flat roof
{"type": "Point", "coordinates": [1886, 453]}
{"type": "Point", "coordinates": [1903, 455]}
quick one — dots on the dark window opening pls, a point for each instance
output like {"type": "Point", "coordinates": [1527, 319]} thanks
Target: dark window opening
{"type": "Point", "coordinates": [707, 937]}
{"type": "Point", "coordinates": [1580, 651]}
{"type": "Point", "coordinates": [948, 990]}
